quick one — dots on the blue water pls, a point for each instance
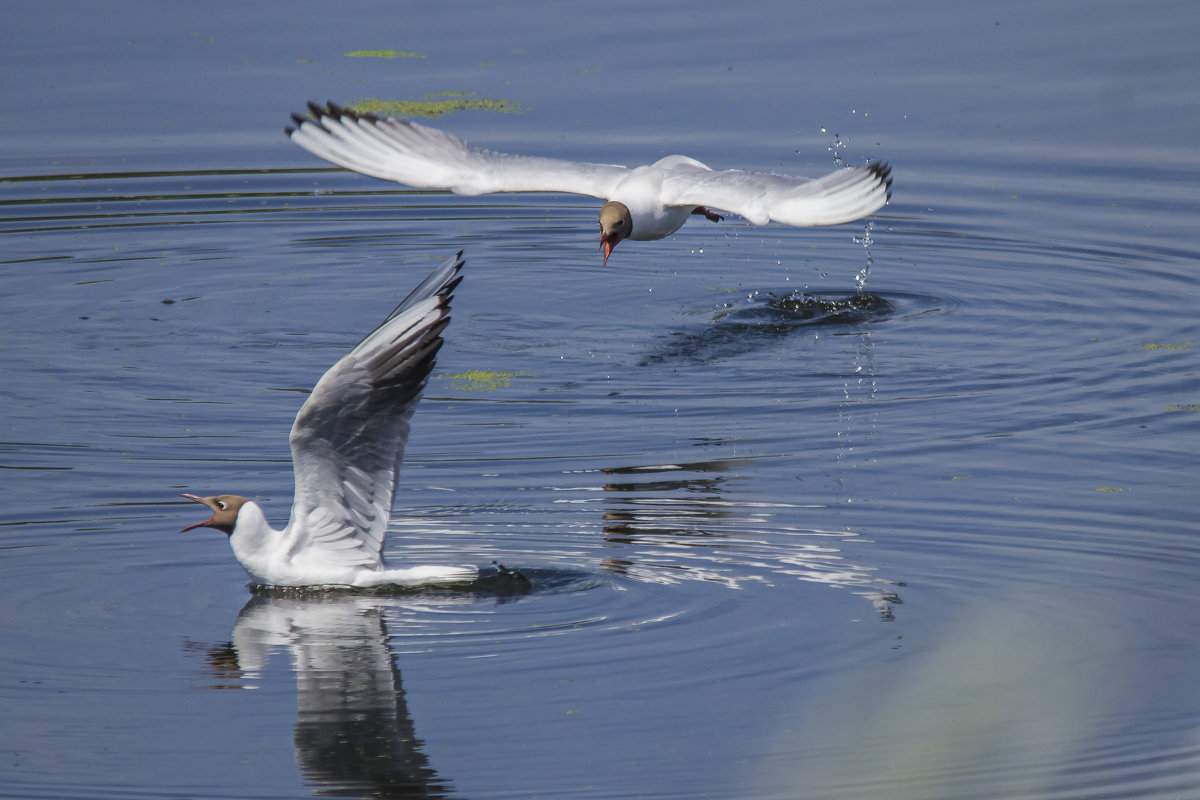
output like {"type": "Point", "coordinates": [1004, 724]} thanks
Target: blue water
{"type": "Point", "coordinates": [936, 538]}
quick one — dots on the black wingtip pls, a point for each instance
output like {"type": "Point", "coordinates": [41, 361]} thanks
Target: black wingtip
{"type": "Point", "coordinates": [331, 110]}
{"type": "Point", "coordinates": [882, 171]}
{"type": "Point", "coordinates": [300, 121]}
{"type": "Point", "coordinates": [447, 291]}
{"type": "Point", "coordinates": [335, 110]}
{"type": "Point", "coordinates": [448, 288]}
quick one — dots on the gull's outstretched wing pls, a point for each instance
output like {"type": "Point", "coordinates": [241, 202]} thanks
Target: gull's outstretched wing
{"type": "Point", "coordinates": [426, 158]}
{"type": "Point", "coordinates": [348, 439]}
{"type": "Point", "coordinates": [841, 196]}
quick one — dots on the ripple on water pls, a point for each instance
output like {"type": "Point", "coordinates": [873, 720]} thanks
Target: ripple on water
{"type": "Point", "coordinates": [682, 481]}
{"type": "Point", "coordinates": [765, 319]}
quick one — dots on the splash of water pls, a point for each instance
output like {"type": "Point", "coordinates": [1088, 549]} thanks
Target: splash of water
{"type": "Point", "coordinates": [836, 148]}
{"type": "Point", "coordinates": [860, 280]}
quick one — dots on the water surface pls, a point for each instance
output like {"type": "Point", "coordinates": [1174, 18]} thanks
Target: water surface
{"type": "Point", "coordinates": [903, 508]}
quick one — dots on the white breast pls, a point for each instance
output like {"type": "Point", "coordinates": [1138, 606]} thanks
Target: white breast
{"type": "Point", "coordinates": [641, 192]}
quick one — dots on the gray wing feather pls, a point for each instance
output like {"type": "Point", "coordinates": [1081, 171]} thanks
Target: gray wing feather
{"type": "Point", "coordinates": [348, 439]}
{"type": "Point", "coordinates": [841, 196]}
{"type": "Point", "coordinates": [427, 158]}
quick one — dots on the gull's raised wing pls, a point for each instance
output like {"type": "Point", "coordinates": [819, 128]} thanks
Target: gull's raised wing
{"type": "Point", "coordinates": [348, 439]}
{"type": "Point", "coordinates": [841, 196]}
{"type": "Point", "coordinates": [426, 158]}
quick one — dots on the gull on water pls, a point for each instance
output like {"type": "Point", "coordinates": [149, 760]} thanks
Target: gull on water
{"type": "Point", "coordinates": [347, 444]}
{"type": "Point", "coordinates": [643, 203]}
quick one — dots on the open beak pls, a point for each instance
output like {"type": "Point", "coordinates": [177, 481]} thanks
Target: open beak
{"type": "Point", "coordinates": [204, 501]}
{"type": "Point", "coordinates": [607, 243]}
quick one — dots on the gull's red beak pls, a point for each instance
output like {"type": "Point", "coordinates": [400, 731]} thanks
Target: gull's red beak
{"type": "Point", "coordinates": [195, 498]}
{"type": "Point", "coordinates": [607, 243]}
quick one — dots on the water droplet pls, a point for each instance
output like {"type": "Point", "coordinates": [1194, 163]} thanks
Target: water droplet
{"type": "Point", "coordinates": [866, 241]}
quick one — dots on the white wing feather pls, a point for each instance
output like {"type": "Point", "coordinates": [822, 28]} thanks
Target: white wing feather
{"type": "Point", "coordinates": [348, 439]}
{"type": "Point", "coordinates": [426, 158]}
{"type": "Point", "coordinates": [841, 196]}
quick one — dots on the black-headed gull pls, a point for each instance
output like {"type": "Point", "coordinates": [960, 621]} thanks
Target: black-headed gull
{"type": "Point", "coordinates": [347, 444]}
{"type": "Point", "coordinates": [649, 202]}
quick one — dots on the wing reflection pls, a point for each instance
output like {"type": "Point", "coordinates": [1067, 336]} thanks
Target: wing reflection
{"type": "Point", "coordinates": [354, 736]}
{"type": "Point", "coordinates": [702, 520]}
{"type": "Point", "coordinates": [679, 522]}
{"type": "Point", "coordinates": [674, 501]}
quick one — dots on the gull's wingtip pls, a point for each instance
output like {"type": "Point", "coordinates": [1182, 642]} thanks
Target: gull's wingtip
{"type": "Point", "coordinates": [339, 111]}
{"type": "Point", "coordinates": [440, 283]}
{"type": "Point", "coordinates": [300, 120]}
{"type": "Point", "coordinates": [318, 114]}
{"type": "Point", "coordinates": [455, 263]}
{"type": "Point", "coordinates": [882, 171]}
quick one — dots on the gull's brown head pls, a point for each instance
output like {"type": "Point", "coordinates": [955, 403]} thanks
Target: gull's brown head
{"type": "Point", "coordinates": [615, 225]}
{"type": "Point", "coordinates": [225, 508]}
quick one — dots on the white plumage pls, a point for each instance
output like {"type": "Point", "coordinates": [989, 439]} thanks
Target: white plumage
{"type": "Point", "coordinates": [643, 203]}
{"type": "Point", "coordinates": [347, 444]}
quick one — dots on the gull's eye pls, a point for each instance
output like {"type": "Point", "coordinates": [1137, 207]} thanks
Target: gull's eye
{"type": "Point", "coordinates": [221, 504]}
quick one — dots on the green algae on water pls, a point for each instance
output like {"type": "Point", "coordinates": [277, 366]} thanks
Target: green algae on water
{"type": "Point", "coordinates": [384, 54]}
{"type": "Point", "coordinates": [1165, 346]}
{"type": "Point", "coordinates": [479, 380]}
{"type": "Point", "coordinates": [450, 103]}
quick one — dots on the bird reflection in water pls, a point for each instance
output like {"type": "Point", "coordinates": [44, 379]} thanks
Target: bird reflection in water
{"type": "Point", "coordinates": [700, 520]}
{"type": "Point", "coordinates": [354, 736]}
{"type": "Point", "coordinates": [687, 522]}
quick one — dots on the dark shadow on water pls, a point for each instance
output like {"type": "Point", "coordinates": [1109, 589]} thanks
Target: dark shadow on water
{"type": "Point", "coordinates": [769, 318]}
{"type": "Point", "coordinates": [496, 582]}
{"type": "Point", "coordinates": [802, 306]}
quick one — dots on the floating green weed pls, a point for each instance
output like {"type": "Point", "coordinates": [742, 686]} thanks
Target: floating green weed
{"type": "Point", "coordinates": [451, 103]}
{"type": "Point", "coordinates": [1163, 346]}
{"type": "Point", "coordinates": [478, 380]}
{"type": "Point", "coordinates": [1111, 489]}
{"type": "Point", "coordinates": [384, 54]}
{"type": "Point", "coordinates": [1193, 407]}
